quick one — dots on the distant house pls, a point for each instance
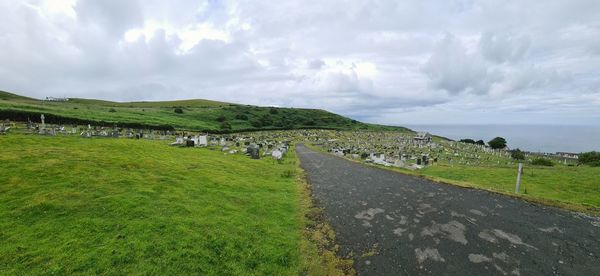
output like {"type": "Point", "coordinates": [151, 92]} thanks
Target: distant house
{"type": "Point", "coordinates": [53, 99]}
{"type": "Point", "coordinates": [423, 138]}
{"type": "Point", "coordinates": [568, 155]}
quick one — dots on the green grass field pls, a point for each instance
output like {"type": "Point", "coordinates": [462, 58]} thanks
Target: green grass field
{"type": "Point", "coordinates": [572, 185]}
{"type": "Point", "coordinates": [199, 115]}
{"type": "Point", "coordinates": [70, 205]}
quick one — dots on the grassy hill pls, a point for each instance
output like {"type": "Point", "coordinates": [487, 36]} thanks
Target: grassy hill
{"type": "Point", "coordinates": [199, 115]}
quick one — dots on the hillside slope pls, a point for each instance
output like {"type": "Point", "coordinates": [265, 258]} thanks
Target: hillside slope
{"type": "Point", "coordinates": [198, 115]}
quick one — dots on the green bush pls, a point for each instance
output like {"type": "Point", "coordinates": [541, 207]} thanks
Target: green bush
{"type": "Point", "coordinates": [221, 119]}
{"type": "Point", "coordinates": [594, 164]}
{"type": "Point", "coordinates": [497, 143]}
{"type": "Point", "coordinates": [178, 110]}
{"type": "Point", "coordinates": [468, 141]}
{"type": "Point", "coordinates": [591, 158]}
{"type": "Point", "coordinates": [310, 123]}
{"type": "Point", "coordinates": [112, 110]}
{"type": "Point", "coordinates": [266, 121]}
{"type": "Point", "coordinates": [273, 111]}
{"type": "Point", "coordinates": [517, 154]}
{"type": "Point", "coordinates": [225, 126]}
{"type": "Point", "coordinates": [242, 117]}
{"type": "Point", "coordinates": [256, 123]}
{"type": "Point", "coordinates": [542, 162]}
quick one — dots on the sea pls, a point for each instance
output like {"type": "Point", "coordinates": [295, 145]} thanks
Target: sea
{"type": "Point", "coordinates": [534, 138]}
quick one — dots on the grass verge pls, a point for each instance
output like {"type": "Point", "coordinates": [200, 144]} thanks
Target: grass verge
{"type": "Point", "coordinates": [318, 243]}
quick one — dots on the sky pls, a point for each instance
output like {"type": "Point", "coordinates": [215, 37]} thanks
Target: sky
{"type": "Point", "coordinates": [389, 62]}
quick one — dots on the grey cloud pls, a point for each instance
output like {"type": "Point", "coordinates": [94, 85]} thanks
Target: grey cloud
{"type": "Point", "coordinates": [282, 54]}
{"type": "Point", "coordinates": [114, 16]}
{"type": "Point", "coordinates": [451, 68]}
{"type": "Point", "coordinates": [316, 64]}
{"type": "Point", "coordinates": [503, 47]}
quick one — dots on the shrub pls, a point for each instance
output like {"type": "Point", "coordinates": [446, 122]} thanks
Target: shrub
{"type": "Point", "coordinates": [266, 121]}
{"type": "Point", "coordinates": [594, 164]}
{"type": "Point", "coordinates": [226, 126]}
{"type": "Point", "coordinates": [256, 123]}
{"type": "Point", "coordinates": [242, 117]}
{"type": "Point", "coordinates": [591, 158]}
{"type": "Point", "coordinates": [468, 141]}
{"type": "Point", "coordinates": [112, 110]}
{"type": "Point", "coordinates": [517, 154]}
{"type": "Point", "coordinates": [542, 162]}
{"type": "Point", "coordinates": [497, 143]}
{"type": "Point", "coordinates": [309, 123]}
{"type": "Point", "coordinates": [221, 119]}
{"type": "Point", "coordinates": [480, 142]}
{"type": "Point", "coordinates": [178, 110]}
{"type": "Point", "coordinates": [273, 111]}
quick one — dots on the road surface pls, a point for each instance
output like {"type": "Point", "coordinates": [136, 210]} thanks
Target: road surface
{"type": "Point", "coordinates": [394, 224]}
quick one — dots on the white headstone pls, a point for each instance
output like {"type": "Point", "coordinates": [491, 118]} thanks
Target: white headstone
{"type": "Point", "coordinates": [277, 154]}
{"type": "Point", "coordinates": [203, 140]}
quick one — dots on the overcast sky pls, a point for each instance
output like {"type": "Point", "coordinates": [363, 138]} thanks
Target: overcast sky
{"type": "Point", "coordinates": [390, 62]}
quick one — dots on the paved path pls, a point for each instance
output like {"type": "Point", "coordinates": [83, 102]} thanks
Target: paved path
{"type": "Point", "coordinates": [394, 224]}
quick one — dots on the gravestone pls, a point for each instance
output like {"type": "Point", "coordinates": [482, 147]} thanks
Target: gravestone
{"type": "Point", "coordinates": [43, 127]}
{"type": "Point", "coordinates": [277, 154]}
{"type": "Point", "coordinates": [254, 151]}
{"type": "Point", "coordinates": [203, 140]}
{"type": "Point", "coordinates": [178, 141]}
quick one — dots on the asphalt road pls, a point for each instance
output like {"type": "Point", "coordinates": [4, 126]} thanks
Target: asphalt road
{"type": "Point", "coordinates": [394, 224]}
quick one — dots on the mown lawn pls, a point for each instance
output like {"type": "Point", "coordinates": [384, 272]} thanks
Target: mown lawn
{"type": "Point", "coordinates": [118, 206]}
{"type": "Point", "coordinates": [576, 185]}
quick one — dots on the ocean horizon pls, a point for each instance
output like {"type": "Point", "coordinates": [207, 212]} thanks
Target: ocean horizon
{"type": "Point", "coordinates": [534, 138]}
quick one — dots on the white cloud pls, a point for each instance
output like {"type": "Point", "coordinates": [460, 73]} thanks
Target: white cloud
{"type": "Point", "coordinates": [453, 69]}
{"type": "Point", "coordinates": [382, 61]}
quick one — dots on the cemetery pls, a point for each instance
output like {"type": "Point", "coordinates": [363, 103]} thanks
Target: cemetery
{"type": "Point", "coordinates": [293, 138]}
{"type": "Point", "coordinates": [566, 183]}
{"type": "Point", "coordinates": [176, 175]}
{"type": "Point", "coordinates": [460, 163]}
{"type": "Point", "coordinates": [247, 174]}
